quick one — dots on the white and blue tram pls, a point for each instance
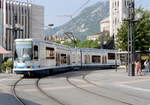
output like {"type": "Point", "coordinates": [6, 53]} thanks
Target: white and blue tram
{"type": "Point", "coordinates": [34, 56]}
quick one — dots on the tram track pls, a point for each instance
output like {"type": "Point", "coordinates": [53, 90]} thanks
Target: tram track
{"type": "Point", "coordinates": [19, 99]}
{"type": "Point", "coordinates": [93, 93]}
{"type": "Point", "coordinates": [48, 95]}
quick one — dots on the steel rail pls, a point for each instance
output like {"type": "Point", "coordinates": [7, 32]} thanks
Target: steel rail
{"type": "Point", "coordinates": [49, 96]}
{"type": "Point", "coordinates": [15, 93]}
{"type": "Point", "coordinates": [93, 93]}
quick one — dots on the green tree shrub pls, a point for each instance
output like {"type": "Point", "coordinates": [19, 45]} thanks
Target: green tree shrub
{"type": "Point", "coordinates": [7, 65]}
{"type": "Point", "coordinates": [142, 33]}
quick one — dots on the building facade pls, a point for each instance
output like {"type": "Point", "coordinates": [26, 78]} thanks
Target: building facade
{"type": "Point", "coordinates": [98, 35]}
{"type": "Point", "coordinates": [148, 9]}
{"type": "Point", "coordinates": [20, 20]}
{"type": "Point", "coordinates": [118, 11]}
{"type": "Point", "coordinates": [105, 25]}
{"type": "Point", "coordinates": [94, 37]}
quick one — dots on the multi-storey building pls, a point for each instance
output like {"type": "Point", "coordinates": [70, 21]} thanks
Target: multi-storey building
{"type": "Point", "coordinates": [25, 18]}
{"type": "Point", "coordinates": [118, 11]}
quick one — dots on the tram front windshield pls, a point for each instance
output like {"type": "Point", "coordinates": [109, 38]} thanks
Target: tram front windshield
{"type": "Point", "coordinates": [23, 51]}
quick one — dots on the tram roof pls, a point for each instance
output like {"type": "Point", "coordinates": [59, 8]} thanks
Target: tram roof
{"type": "Point", "coordinates": [71, 48]}
{"type": "Point", "coordinates": [99, 50]}
{"type": "Point", "coordinates": [47, 42]}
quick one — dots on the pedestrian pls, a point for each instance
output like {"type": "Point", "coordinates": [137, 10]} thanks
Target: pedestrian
{"type": "Point", "coordinates": [146, 64]}
{"type": "Point", "coordinates": [138, 67]}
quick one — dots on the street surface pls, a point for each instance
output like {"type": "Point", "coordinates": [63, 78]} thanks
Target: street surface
{"type": "Point", "coordinates": [95, 87]}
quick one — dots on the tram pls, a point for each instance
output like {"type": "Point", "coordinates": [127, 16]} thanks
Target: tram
{"type": "Point", "coordinates": [36, 57]}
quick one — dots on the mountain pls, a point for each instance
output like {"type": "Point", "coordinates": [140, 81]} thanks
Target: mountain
{"type": "Point", "coordinates": [86, 23]}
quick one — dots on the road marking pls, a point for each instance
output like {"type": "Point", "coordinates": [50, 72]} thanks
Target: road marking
{"type": "Point", "coordinates": [10, 78]}
{"type": "Point", "coordinates": [3, 79]}
{"type": "Point", "coordinates": [135, 88]}
{"type": "Point", "coordinates": [134, 81]}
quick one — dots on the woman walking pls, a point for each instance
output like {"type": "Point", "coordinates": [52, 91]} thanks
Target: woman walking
{"type": "Point", "coordinates": [138, 67]}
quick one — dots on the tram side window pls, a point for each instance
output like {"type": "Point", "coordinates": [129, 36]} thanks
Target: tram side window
{"type": "Point", "coordinates": [50, 53]}
{"type": "Point", "coordinates": [111, 56]}
{"type": "Point", "coordinates": [35, 52]}
{"type": "Point", "coordinates": [63, 59]}
{"type": "Point", "coordinates": [96, 59]}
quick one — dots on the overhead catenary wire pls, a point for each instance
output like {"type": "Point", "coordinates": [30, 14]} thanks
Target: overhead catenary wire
{"type": "Point", "coordinates": [80, 8]}
{"type": "Point", "coordinates": [75, 12]}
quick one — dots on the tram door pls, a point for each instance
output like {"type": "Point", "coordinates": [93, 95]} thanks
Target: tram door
{"type": "Point", "coordinates": [57, 59]}
{"type": "Point", "coordinates": [68, 59]}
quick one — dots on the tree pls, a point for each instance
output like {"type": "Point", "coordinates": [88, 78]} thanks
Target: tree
{"type": "Point", "coordinates": [142, 33]}
{"type": "Point", "coordinates": [7, 65]}
{"type": "Point", "coordinates": [89, 44]}
{"type": "Point", "coordinates": [72, 43]}
{"type": "Point", "coordinates": [58, 41]}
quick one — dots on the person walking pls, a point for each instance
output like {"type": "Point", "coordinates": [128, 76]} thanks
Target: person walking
{"type": "Point", "coordinates": [146, 64]}
{"type": "Point", "coordinates": [138, 67]}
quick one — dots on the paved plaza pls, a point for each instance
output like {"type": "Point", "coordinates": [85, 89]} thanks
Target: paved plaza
{"type": "Point", "coordinates": [91, 87]}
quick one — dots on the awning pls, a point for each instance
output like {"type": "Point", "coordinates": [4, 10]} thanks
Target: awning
{"type": "Point", "coordinates": [3, 51]}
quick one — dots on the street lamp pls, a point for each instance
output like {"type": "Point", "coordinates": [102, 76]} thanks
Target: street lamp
{"type": "Point", "coordinates": [15, 27]}
{"type": "Point", "coordinates": [50, 25]}
{"type": "Point", "coordinates": [131, 19]}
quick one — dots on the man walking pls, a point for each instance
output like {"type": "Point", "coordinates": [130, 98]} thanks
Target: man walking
{"type": "Point", "coordinates": [146, 64]}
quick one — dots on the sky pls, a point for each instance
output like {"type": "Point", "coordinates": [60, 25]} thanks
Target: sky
{"type": "Point", "coordinates": [55, 9]}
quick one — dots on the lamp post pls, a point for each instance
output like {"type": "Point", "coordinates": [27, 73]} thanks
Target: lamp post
{"type": "Point", "coordinates": [131, 36]}
{"type": "Point", "coordinates": [50, 26]}
{"type": "Point", "coordinates": [15, 27]}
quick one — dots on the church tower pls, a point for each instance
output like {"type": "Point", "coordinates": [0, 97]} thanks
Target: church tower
{"type": "Point", "coordinates": [118, 10]}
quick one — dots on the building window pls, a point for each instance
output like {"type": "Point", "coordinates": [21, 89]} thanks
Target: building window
{"type": "Point", "coordinates": [35, 52]}
{"type": "Point", "coordinates": [50, 53]}
{"type": "Point", "coordinates": [115, 21]}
